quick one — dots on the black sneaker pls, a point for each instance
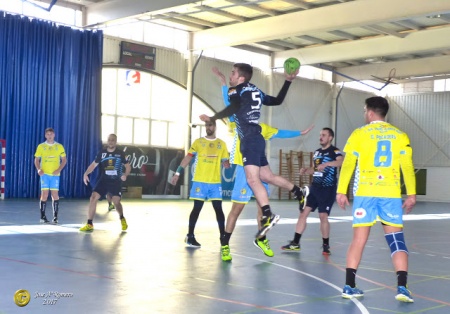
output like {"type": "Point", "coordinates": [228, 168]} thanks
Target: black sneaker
{"type": "Point", "coordinates": [55, 220]}
{"type": "Point", "coordinates": [291, 247]}
{"type": "Point", "coordinates": [190, 241]}
{"type": "Point", "coordinates": [267, 223]}
{"type": "Point", "coordinates": [44, 220]}
{"type": "Point", "coordinates": [326, 249]}
{"type": "Point", "coordinates": [303, 198]}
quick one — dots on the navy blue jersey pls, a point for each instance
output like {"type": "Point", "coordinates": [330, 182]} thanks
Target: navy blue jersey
{"type": "Point", "coordinates": [329, 175]}
{"type": "Point", "coordinates": [245, 103]}
{"type": "Point", "coordinates": [111, 164]}
{"type": "Point", "coordinates": [250, 99]}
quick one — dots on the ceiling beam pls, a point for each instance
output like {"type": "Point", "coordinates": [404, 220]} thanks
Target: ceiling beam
{"type": "Point", "coordinates": [383, 30]}
{"type": "Point", "coordinates": [403, 69]}
{"type": "Point", "coordinates": [104, 11]}
{"type": "Point", "coordinates": [344, 34]}
{"type": "Point", "coordinates": [429, 40]}
{"type": "Point", "coordinates": [322, 19]}
{"type": "Point", "coordinates": [299, 4]}
{"type": "Point", "coordinates": [223, 13]}
{"type": "Point", "coordinates": [253, 7]}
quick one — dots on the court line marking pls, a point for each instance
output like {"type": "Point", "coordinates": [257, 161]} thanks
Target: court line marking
{"type": "Point", "coordinates": [107, 226]}
{"type": "Point", "coordinates": [361, 307]}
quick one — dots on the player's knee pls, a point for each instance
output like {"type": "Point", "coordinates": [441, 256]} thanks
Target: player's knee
{"type": "Point", "coordinates": [396, 242]}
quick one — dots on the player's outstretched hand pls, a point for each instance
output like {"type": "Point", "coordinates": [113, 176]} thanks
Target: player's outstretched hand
{"type": "Point", "coordinates": [220, 75]}
{"type": "Point", "coordinates": [292, 76]}
{"type": "Point", "coordinates": [306, 131]}
{"type": "Point", "coordinates": [205, 118]}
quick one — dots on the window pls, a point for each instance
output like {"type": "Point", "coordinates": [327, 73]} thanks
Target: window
{"type": "Point", "coordinates": [147, 110]}
{"type": "Point", "coordinates": [442, 85]}
{"type": "Point", "coordinates": [38, 9]}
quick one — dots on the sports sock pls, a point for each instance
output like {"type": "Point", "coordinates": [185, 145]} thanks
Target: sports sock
{"type": "Point", "coordinates": [266, 211]}
{"type": "Point", "coordinates": [296, 190]}
{"type": "Point", "coordinates": [402, 278]}
{"type": "Point", "coordinates": [350, 275]}
{"type": "Point", "coordinates": [42, 207]}
{"type": "Point", "coordinates": [90, 222]}
{"type": "Point", "coordinates": [326, 241]}
{"type": "Point", "coordinates": [55, 208]}
{"type": "Point", "coordinates": [297, 237]}
{"type": "Point", "coordinates": [225, 240]}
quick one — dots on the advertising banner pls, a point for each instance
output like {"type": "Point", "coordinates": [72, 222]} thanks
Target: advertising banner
{"type": "Point", "coordinates": [153, 168]}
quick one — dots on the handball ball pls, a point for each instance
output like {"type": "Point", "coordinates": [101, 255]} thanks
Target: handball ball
{"type": "Point", "coordinates": [291, 65]}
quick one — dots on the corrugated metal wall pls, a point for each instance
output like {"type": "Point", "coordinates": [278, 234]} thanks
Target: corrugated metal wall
{"type": "Point", "coordinates": [350, 113]}
{"type": "Point", "coordinates": [425, 118]}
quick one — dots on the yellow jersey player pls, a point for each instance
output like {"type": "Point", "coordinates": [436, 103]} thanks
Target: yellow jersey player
{"type": "Point", "coordinates": [379, 151]}
{"type": "Point", "coordinates": [210, 153]}
{"type": "Point", "coordinates": [49, 160]}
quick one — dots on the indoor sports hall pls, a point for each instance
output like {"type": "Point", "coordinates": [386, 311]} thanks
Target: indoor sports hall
{"type": "Point", "coordinates": [148, 269]}
{"type": "Point", "coordinates": [146, 71]}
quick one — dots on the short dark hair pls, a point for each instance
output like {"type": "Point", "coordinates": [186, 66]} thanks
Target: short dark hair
{"type": "Point", "coordinates": [378, 104]}
{"type": "Point", "coordinates": [330, 131]}
{"type": "Point", "coordinates": [49, 130]}
{"type": "Point", "coordinates": [245, 70]}
{"type": "Point", "coordinates": [211, 121]}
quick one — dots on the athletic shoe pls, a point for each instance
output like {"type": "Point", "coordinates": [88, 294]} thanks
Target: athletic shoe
{"type": "Point", "coordinates": [292, 247]}
{"type": "Point", "coordinates": [111, 207]}
{"type": "Point", "coordinates": [87, 227]}
{"type": "Point", "coordinates": [44, 220]}
{"type": "Point", "coordinates": [124, 224]}
{"type": "Point", "coordinates": [267, 223]}
{"type": "Point", "coordinates": [55, 220]}
{"type": "Point", "coordinates": [190, 241]}
{"type": "Point", "coordinates": [264, 246]}
{"type": "Point", "coordinates": [226, 256]}
{"type": "Point", "coordinates": [403, 294]}
{"type": "Point", "coordinates": [349, 292]}
{"type": "Point", "coordinates": [303, 197]}
{"type": "Point", "coordinates": [326, 249]}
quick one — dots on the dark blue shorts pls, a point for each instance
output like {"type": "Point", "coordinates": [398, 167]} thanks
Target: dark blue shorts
{"type": "Point", "coordinates": [253, 149]}
{"type": "Point", "coordinates": [322, 198]}
{"type": "Point", "coordinates": [112, 187]}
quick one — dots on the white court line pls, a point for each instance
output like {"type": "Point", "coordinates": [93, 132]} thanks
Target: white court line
{"type": "Point", "coordinates": [361, 307]}
{"type": "Point", "coordinates": [50, 228]}
{"type": "Point", "coordinates": [314, 220]}
{"type": "Point", "coordinates": [111, 226]}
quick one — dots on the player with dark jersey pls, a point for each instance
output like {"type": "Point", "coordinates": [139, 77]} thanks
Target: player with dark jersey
{"type": "Point", "coordinates": [111, 161]}
{"type": "Point", "coordinates": [322, 191]}
{"type": "Point", "coordinates": [245, 104]}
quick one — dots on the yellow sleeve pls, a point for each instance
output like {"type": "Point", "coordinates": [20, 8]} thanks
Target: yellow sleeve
{"type": "Point", "coordinates": [267, 131]}
{"type": "Point", "coordinates": [348, 166]}
{"type": "Point", "coordinates": [407, 166]}
{"type": "Point", "coordinates": [38, 152]}
{"type": "Point", "coordinates": [193, 150]}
